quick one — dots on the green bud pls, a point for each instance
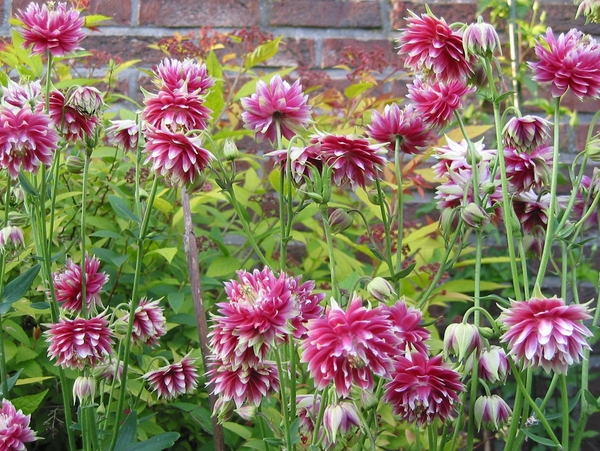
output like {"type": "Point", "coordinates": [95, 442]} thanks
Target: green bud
{"type": "Point", "coordinates": [380, 289]}
{"type": "Point", "coordinates": [339, 220]}
{"type": "Point", "coordinates": [230, 150]}
{"type": "Point", "coordinates": [74, 164]}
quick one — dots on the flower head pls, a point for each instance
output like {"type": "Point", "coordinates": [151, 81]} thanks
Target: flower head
{"type": "Point", "coordinates": [124, 133]}
{"type": "Point", "coordinates": [433, 48]}
{"type": "Point", "coordinates": [492, 412]}
{"type": "Point", "coordinates": [492, 364]}
{"type": "Point", "coordinates": [87, 100]}
{"type": "Point", "coordinates": [590, 9]}
{"type": "Point", "coordinates": [54, 29]}
{"type": "Point", "coordinates": [339, 417]}
{"type": "Point", "coordinates": [406, 326]}
{"type": "Point", "coordinates": [531, 211]}
{"type": "Point", "coordinates": [528, 170]}
{"type": "Point", "coordinates": [526, 132]}
{"type": "Point", "coordinates": [404, 125]}
{"type": "Point", "coordinates": [423, 389]}
{"type": "Point", "coordinates": [461, 340]}
{"type": "Point", "coordinates": [68, 120]}
{"type": "Point", "coordinates": [21, 95]}
{"type": "Point", "coordinates": [67, 283]}
{"type": "Point", "coordinates": [346, 347]}
{"type": "Point", "coordinates": [277, 102]}
{"type": "Point", "coordinates": [480, 39]}
{"type": "Point", "coordinates": [11, 238]}
{"type": "Point", "coordinates": [75, 343]}
{"type": "Point", "coordinates": [14, 428]}
{"type": "Point", "coordinates": [175, 379]}
{"type": "Point", "coordinates": [569, 61]}
{"type": "Point", "coordinates": [546, 333]}
{"type": "Point", "coordinates": [307, 302]}
{"type": "Point", "coordinates": [84, 388]}
{"type": "Point", "coordinates": [176, 109]}
{"type": "Point", "coordinates": [436, 102]}
{"type": "Point", "coordinates": [149, 323]}
{"type": "Point", "coordinates": [188, 74]}
{"type": "Point", "coordinates": [176, 155]}
{"type": "Point", "coordinates": [456, 155]}
{"type": "Point", "coordinates": [27, 140]}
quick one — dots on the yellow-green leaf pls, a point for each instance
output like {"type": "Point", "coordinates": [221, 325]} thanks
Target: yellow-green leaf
{"type": "Point", "coordinates": [168, 253]}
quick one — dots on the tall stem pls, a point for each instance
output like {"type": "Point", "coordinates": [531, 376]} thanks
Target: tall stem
{"type": "Point", "coordinates": [86, 166]}
{"type": "Point", "coordinates": [399, 210]}
{"type": "Point", "coordinates": [3, 369]}
{"type": "Point", "coordinates": [332, 267]}
{"type": "Point", "coordinates": [386, 228]}
{"type": "Point", "coordinates": [564, 395]}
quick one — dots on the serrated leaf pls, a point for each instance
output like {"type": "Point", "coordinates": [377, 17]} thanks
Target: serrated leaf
{"type": "Point", "coordinates": [16, 288]}
{"type": "Point", "coordinates": [28, 404]}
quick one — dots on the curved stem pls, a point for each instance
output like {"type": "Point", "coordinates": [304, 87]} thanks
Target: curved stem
{"type": "Point", "coordinates": [3, 368]}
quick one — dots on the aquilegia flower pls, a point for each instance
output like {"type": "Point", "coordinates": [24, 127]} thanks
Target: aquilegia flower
{"type": "Point", "coordinates": [307, 304]}
{"type": "Point", "coordinates": [544, 332]}
{"type": "Point", "coordinates": [11, 238]}
{"type": "Point", "coordinates": [173, 380]}
{"type": "Point", "coordinates": [531, 210]}
{"type": "Point", "coordinates": [405, 125]}
{"type": "Point", "coordinates": [67, 283]}
{"type": "Point", "coordinates": [526, 132]}
{"type": "Point", "coordinates": [436, 102]}
{"type": "Point", "coordinates": [14, 428]}
{"type": "Point", "coordinates": [480, 38]}
{"type": "Point", "coordinates": [69, 121]}
{"type": "Point", "coordinates": [348, 347]}
{"type": "Point", "coordinates": [124, 133]}
{"type": "Point", "coordinates": [569, 61]}
{"type": "Point", "coordinates": [528, 170]}
{"type": "Point", "coordinates": [492, 412]}
{"type": "Point", "coordinates": [188, 74]}
{"type": "Point", "coordinates": [176, 109]}
{"type": "Point", "coordinates": [51, 28]}
{"type": "Point", "coordinates": [27, 140]}
{"type": "Point", "coordinates": [423, 389]}
{"type": "Point", "coordinates": [149, 323]}
{"type": "Point", "coordinates": [492, 364]}
{"type": "Point", "coordinates": [175, 155]}
{"type": "Point", "coordinates": [277, 102]}
{"type": "Point", "coordinates": [76, 343]}
{"type": "Point", "coordinates": [405, 325]}
{"type": "Point", "coordinates": [432, 47]}
{"type": "Point", "coordinates": [20, 95]}
{"type": "Point", "coordinates": [455, 155]}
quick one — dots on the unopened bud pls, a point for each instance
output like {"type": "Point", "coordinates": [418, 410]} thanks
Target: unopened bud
{"type": "Point", "coordinates": [84, 389]}
{"type": "Point", "coordinates": [339, 220]}
{"type": "Point", "coordinates": [380, 289]}
{"type": "Point", "coordinates": [374, 197]}
{"type": "Point", "coordinates": [11, 238]}
{"type": "Point", "coordinates": [592, 148]}
{"type": "Point", "coordinates": [480, 39]}
{"type": "Point", "coordinates": [491, 412]}
{"type": "Point", "coordinates": [247, 412]}
{"type": "Point", "coordinates": [87, 100]}
{"type": "Point", "coordinates": [18, 219]}
{"type": "Point", "coordinates": [489, 188]}
{"type": "Point", "coordinates": [475, 216]}
{"type": "Point", "coordinates": [74, 164]}
{"type": "Point", "coordinates": [230, 150]}
{"type": "Point", "coordinates": [461, 339]}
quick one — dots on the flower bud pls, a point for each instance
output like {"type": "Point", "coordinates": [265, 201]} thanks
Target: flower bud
{"type": "Point", "coordinates": [493, 364]}
{"type": "Point", "coordinates": [492, 412]}
{"type": "Point", "coordinates": [87, 100]}
{"type": "Point", "coordinates": [74, 164]}
{"type": "Point", "coordinates": [489, 188]}
{"type": "Point", "coordinates": [339, 220]}
{"type": "Point", "coordinates": [84, 389]}
{"type": "Point", "coordinates": [526, 133]}
{"type": "Point", "coordinates": [461, 339]}
{"type": "Point", "coordinates": [339, 417]}
{"type": "Point", "coordinates": [448, 221]}
{"type": "Point", "coordinates": [480, 39]}
{"type": "Point", "coordinates": [223, 410]}
{"type": "Point", "coordinates": [11, 238]}
{"type": "Point", "coordinates": [247, 412]}
{"type": "Point", "coordinates": [475, 216]}
{"type": "Point", "coordinates": [592, 148]}
{"type": "Point", "coordinates": [380, 289]}
{"type": "Point", "coordinates": [230, 150]}
{"type": "Point", "coordinates": [374, 197]}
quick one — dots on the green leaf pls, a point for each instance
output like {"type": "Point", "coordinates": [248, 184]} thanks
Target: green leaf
{"type": "Point", "coordinates": [168, 253]}
{"type": "Point", "coordinates": [537, 438]}
{"type": "Point", "coordinates": [176, 300]}
{"type": "Point", "coordinates": [29, 404]}
{"type": "Point", "coordinates": [156, 443]}
{"type": "Point", "coordinates": [127, 432]}
{"type": "Point", "coordinates": [106, 234]}
{"type": "Point", "coordinates": [255, 443]}
{"type": "Point", "coordinates": [262, 53]}
{"type": "Point", "coordinates": [16, 331]}
{"type": "Point", "coordinates": [121, 208]}
{"type": "Point", "coordinates": [223, 266]}
{"type": "Point", "coordinates": [27, 187]}
{"type": "Point", "coordinates": [238, 429]}
{"type": "Point", "coordinates": [11, 381]}
{"type": "Point", "coordinates": [17, 288]}
{"type": "Point", "coordinates": [357, 89]}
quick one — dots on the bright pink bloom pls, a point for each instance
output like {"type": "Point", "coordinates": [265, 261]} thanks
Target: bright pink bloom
{"type": "Point", "coordinates": [546, 333]}
{"type": "Point", "coordinates": [21, 95]}
{"type": "Point", "coordinates": [173, 380]}
{"type": "Point", "coordinates": [276, 102]}
{"type": "Point", "coordinates": [245, 383]}
{"type": "Point", "coordinates": [54, 29]}
{"type": "Point", "coordinates": [26, 140]}
{"type": "Point", "coordinates": [14, 428]}
{"type": "Point", "coordinates": [433, 48]}
{"type": "Point", "coordinates": [73, 125]}
{"type": "Point", "coordinates": [526, 132]}
{"type": "Point", "coordinates": [348, 347]}
{"type": "Point", "coordinates": [302, 160]}
{"type": "Point", "coordinates": [256, 318]}
{"type": "Point", "coordinates": [149, 323]}
{"type": "Point", "coordinates": [405, 325]}
{"type": "Point", "coordinates": [176, 109]}
{"type": "Point", "coordinates": [531, 210]}
{"type": "Point", "coordinates": [175, 155]}
{"type": "Point", "coordinates": [76, 343]}
{"type": "Point", "coordinates": [436, 102]}
{"type": "Point", "coordinates": [528, 170]}
{"type": "Point", "coordinates": [423, 389]}
{"type": "Point", "coordinates": [307, 304]}
{"type": "Point", "coordinates": [405, 125]}
{"type": "Point", "coordinates": [68, 284]}
{"type": "Point", "coordinates": [188, 74]}
{"type": "Point", "coordinates": [124, 134]}
{"type": "Point", "coordinates": [569, 61]}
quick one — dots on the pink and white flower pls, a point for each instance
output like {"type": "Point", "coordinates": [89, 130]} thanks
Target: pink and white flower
{"type": "Point", "coordinates": [492, 412]}
{"type": "Point", "coordinates": [526, 132]}
{"type": "Point", "coordinates": [406, 326]}
{"type": "Point", "coordinates": [14, 428]}
{"type": "Point", "coordinates": [175, 379]}
{"type": "Point", "coordinates": [67, 284]}
{"type": "Point", "coordinates": [187, 74]}
{"type": "Point", "coordinates": [176, 109]}
{"type": "Point", "coordinates": [149, 323]}
{"type": "Point", "coordinates": [528, 169]}
{"type": "Point", "coordinates": [70, 122]}
{"type": "Point", "coordinates": [455, 155]}
{"type": "Point", "coordinates": [124, 133]}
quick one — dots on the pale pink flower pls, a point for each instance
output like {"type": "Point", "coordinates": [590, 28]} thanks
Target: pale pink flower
{"type": "Point", "coordinates": [544, 332]}
{"type": "Point", "coordinates": [256, 318]}
{"type": "Point", "coordinates": [405, 125]}
{"type": "Point", "coordinates": [492, 363]}
{"type": "Point", "coordinates": [87, 100]}
{"type": "Point", "coordinates": [27, 140]}
{"type": "Point", "coordinates": [187, 74]}
{"type": "Point", "coordinates": [67, 284]}
{"type": "Point", "coordinates": [492, 412]}
{"type": "Point", "coordinates": [84, 388]}
{"type": "Point", "coordinates": [51, 28]}
{"type": "Point", "coordinates": [433, 48]}
{"type": "Point", "coordinates": [347, 347]}
{"type": "Point", "coordinates": [526, 132]}
{"type": "Point", "coordinates": [11, 238]}
{"type": "Point", "coordinates": [21, 95]}
{"type": "Point", "coordinates": [14, 428]}
{"type": "Point", "coordinates": [277, 102]}
{"type": "Point", "coordinates": [451, 194]}
{"type": "Point", "coordinates": [77, 343]}
{"type": "Point", "coordinates": [72, 124]}
{"type": "Point", "coordinates": [149, 323]}
{"type": "Point", "coordinates": [569, 61]}
{"type": "Point", "coordinates": [461, 340]}
{"type": "Point", "coordinates": [175, 155]}
{"type": "Point", "coordinates": [529, 169]}
{"type": "Point", "coordinates": [480, 39]}
{"type": "Point", "coordinates": [455, 155]}
{"type": "Point", "coordinates": [175, 379]}
{"type": "Point", "coordinates": [339, 418]}
{"type": "Point", "coordinates": [436, 102]}
{"type": "Point", "coordinates": [124, 133]}
{"type": "Point", "coordinates": [423, 389]}
{"type": "Point", "coordinates": [406, 326]}
{"type": "Point", "coordinates": [176, 109]}
{"type": "Point", "coordinates": [244, 383]}
{"type": "Point", "coordinates": [531, 211]}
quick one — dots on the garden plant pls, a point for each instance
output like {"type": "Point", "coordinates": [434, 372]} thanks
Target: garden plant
{"type": "Point", "coordinates": [228, 262]}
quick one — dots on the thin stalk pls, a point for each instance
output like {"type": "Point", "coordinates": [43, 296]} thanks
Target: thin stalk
{"type": "Point", "coordinates": [513, 431]}
{"type": "Point", "coordinates": [332, 267]}
{"type": "Point", "coordinates": [399, 210]}
{"type": "Point", "coordinates": [282, 200]}
{"type": "Point", "coordinates": [431, 437]}
{"type": "Point", "coordinates": [3, 369]}
{"type": "Point", "coordinates": [564, 395]}
{"type": "Point", "coordinates": [86, 166]}
{"type": "Point", "coordinates": [292, 352]}
{"type": "Point", "coordinates": [549, 239]}
{"type": "Point", "coordinates": [284, 400]}
{"type": "Point", "coordinates": [386, 228]}
{"type": "Point", "coordinates": [524, 270]}
{"type": "Point", "coordinates": [134, 305]}
{"type": "Point", "coordinates": [368, 432]}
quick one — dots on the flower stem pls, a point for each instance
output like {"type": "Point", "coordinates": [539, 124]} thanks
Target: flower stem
{"type": "Point", "coordinates": [3, 369]}
{"type": "Point", "coordinates": [332, 267]}
{"type": "Point", "coordinates": [399, 211]}
{"type": "Point", "coordinates": [564, 395]}
{"type": "Point", "coordinates": [284, 399]}
{"type": "Point", "coordinates": [84, 183]}
{"type": "Point", "coordinates": [386, 228]}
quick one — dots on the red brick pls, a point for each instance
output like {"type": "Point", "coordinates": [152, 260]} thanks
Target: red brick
{"type": "Point", "coordinates": [295, 52]}
{"type": "Point", "coordinates": [332, 49]}
{"type": "Point", "coordinates": [194, 13]}
{"type": "Point", "coordinates": [126, 47]}
{"type": "Point", "coordinates": [561, 17]}
{"type": "Point", "coordinates": [324, 14]}
{"type": "Point", "coordinates": [119, 10]}
{"type": "Point", "coordinates": [451, 12]}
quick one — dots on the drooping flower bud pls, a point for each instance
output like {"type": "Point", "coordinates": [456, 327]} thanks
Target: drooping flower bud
{"type": "Point", "coordinates": [480, 39]}
{"type": "Point", "coordinates": [461, 339]}
{"type": "Point", "coordinates": [87, 100]}
{"type": "Point", "coordinates": [230, 150]}
{"type": "Point", "coordinates": [475, 216]}
{"type": "Point", "coordinates": [339, 220]}
{"type": "Point", "coordinates": [11, 238]}
{"type": "Point", "coordinates": [74, 164]}
{"type": "Point", "coordinates": [380, 289]}
{"type": "Point", "coordinates": [84, 389]}
{"type": "Point", "coordinates": [492, 412]}
{"type": "Point", "coordinates": [492, 364]}
{"type": "Point", "coordinates": [339, 417]}
{"type": "Point", "coordinates": [526, 133]}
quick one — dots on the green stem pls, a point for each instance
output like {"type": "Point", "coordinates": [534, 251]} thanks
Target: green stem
{"type": "Point", "coordinates": [332, 267]}
{"type": "Point", "coordinates": [3, 368]}
{"type": "Point", "coordinates": [292, 352]}
{"type": "Point", "coordinates": [386, 228]}
{"type": "Point", "coordinates": [282, 200]}
{"type": "Point", "coordinates": [564, 395]}
{"type": "Point", "coordinates": [549, 239]}
{"type": "Point", "coordinates": [399, 211]}
{"type": "Point", "coordinates": [86, 166]}
{"type": "Point", "coordinates": [134, 305]}
{"type": "Point", "coordinates": [284, 400]}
